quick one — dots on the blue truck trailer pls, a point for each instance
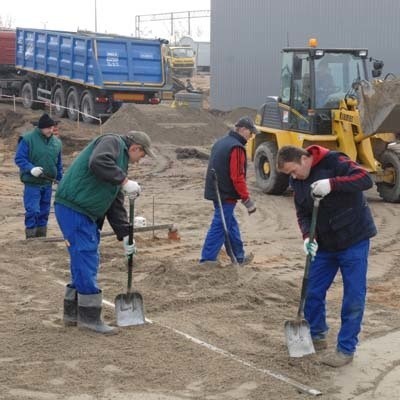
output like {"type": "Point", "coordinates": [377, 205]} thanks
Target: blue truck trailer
{"type": "Point", "coordinates": [86, 71]}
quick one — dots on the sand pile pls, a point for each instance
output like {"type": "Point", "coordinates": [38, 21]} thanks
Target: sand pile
{"type": "Point", "coordinates": [178, 126]}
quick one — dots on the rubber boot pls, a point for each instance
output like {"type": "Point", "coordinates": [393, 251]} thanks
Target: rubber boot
{"type": "Point", "coordinates": [70, 306]}
{"type": "Point", "coordinates": [30, 233]}
{"type": "Point", "coordinates": [41, 231]}
{"type": "Point", "coordinates": [89, 314]}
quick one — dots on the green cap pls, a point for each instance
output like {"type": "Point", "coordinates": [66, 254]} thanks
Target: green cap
{"type": "Point", "coordinates": [142, 139]}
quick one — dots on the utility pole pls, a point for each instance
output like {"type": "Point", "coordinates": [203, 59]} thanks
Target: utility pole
{"type": "Point", "coordinates": [95, 16]}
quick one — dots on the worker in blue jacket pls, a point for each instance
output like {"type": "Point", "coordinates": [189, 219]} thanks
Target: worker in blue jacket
{"type": "Point", "coordinates": [343, 231]}
{"type": "Point", "coordinates": [38, 157]}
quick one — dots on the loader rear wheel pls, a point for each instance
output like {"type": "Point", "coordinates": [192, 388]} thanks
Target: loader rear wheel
{"type": "Point", "coordinates": [268, 178]}
{"type": "Point", "coordinates": [390, 160]}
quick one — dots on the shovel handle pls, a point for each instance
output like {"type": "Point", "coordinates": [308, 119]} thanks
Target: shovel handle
{"type": "Point", "coordinates": [227, 239]}
{"type": "Point", "coordinates": [130, 241]}
{"type": "Point", "coordinates": [47, 178]}
{"type": "Point", "coordinates": [304, 285]}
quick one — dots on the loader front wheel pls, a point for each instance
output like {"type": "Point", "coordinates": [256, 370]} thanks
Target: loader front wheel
{"type": "Point", "coordinates": [269, 180]}
{"type": "Point", "coordinates": [390, 191]}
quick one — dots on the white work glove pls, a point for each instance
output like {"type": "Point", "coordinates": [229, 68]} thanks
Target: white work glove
{"type": "Point", "coordinates": [131, 189]}
{"type": "Point", "coordinates": [310, 248]}
{"type": "Point", "coordinates": [321, 188]}
{"type": "Point", "coordinates": [250, 205]}
{"type": "Point", "coordinates": [37, 171]}
{"type": "Point", "coordinates": [129, 248]}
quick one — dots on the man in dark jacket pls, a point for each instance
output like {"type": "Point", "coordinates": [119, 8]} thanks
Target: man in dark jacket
{"type": "Point", "coordinates": [92, 189]}
{"type": "Point", "coordinates": [228, 159]}
{"type": "Point", "coordinates": [344, 228]}
{"type": "Point", "coordinates": [38, 157]}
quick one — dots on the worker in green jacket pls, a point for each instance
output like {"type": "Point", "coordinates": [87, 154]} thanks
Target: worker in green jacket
{"type": "Point", "coordinates": [92, 189]}
{"type": "Point", "coordinates": [38, 157]}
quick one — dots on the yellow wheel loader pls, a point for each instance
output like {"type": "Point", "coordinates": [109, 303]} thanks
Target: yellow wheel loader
{"type": "Point", "coordinates": [326, 99]}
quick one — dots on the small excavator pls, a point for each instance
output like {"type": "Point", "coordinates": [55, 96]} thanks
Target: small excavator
{"type": "Point", "coordinates": [327, 99]}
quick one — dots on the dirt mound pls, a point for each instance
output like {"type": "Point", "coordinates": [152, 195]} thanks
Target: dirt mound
{"type": "Point", "coordinates": [232, 116]}
{"type": "Point", "coordinates": [9, 121]}
{"type": "Point", "coordinates": [178, 126]}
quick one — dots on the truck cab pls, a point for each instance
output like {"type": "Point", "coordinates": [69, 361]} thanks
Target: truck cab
{"type": "Point", "coordinates": [314, 81]}
{"type": "Point", "coordinates": [180, 60]}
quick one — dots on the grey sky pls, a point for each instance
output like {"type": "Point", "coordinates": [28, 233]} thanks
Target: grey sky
{"type": "Point", "coordinates": [116, 16]}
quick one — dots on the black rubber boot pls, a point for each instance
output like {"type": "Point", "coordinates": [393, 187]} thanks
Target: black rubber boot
{"type": "Point", "coordinates": [41, 231]}
{"type": "Point", "coordinates": [89, 314]}
{"type": "Point", "coordinates": [30, 233]}
{"type": "Point", "coordinates": [70, 306]}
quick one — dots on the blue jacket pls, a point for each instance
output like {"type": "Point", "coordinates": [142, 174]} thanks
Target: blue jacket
{"type": "Point", "coordinates": [36, 150]}
{"type": "Point", "coordinates": [344, 217]}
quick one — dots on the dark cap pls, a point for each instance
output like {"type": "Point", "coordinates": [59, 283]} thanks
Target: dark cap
{"type": "Point", "coordinates": [246, 122]}
{"type": "Point", "coordinates": [142, 139]}
{"type": "Point", "coordinates": [46, 122]}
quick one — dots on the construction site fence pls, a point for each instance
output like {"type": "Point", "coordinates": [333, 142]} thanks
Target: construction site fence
{"type": "Point", "coordinates": [51, 106]}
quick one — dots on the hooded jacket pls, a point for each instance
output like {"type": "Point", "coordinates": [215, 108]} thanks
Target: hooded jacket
{"type": "Point", "coordinates": [344, 217]}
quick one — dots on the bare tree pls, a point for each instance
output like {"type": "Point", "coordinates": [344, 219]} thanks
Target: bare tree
{"type": "Point", "coordinates": [5, 22]}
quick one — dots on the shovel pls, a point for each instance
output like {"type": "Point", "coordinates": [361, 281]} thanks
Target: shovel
{"type": "Point", "coordinates": [297, 332]}
{"type": "Point", "coordinates": [129, 306]}
{"type": "Point", "coordinates": [228, 243]}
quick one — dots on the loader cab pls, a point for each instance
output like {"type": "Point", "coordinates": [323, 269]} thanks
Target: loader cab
{"type": "Point", "coordinates": [314, 81]}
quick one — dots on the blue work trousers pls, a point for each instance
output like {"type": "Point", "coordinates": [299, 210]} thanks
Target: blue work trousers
{"type": "Point", "coordinates": [37, 200]}
{"type": "Point", "coordinates": [353, 265]}
{"type": "Point", "coordinates": [82, 237]}
{"type": "Point", "coordinates": [216, 236]}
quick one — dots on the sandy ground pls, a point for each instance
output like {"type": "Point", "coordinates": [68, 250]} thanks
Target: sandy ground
{"type": "Point", "coordinates": [212, 333]}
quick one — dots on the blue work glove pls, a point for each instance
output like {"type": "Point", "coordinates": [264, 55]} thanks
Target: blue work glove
{"type": "Point", "coordinates": [129, 248]}
{"type": "Point", "coordinates": [310, 248]}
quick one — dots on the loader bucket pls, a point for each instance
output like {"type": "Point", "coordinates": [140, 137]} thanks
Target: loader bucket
{"type": "Point", "coordinates": [379, 106]}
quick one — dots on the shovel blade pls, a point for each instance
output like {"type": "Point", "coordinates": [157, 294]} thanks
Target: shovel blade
{"type": "Point", "coordinates": [298, 338]}
{"type": "Point", "coordinates": [129, 309]}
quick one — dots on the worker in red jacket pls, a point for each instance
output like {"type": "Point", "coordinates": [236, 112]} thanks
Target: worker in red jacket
{"type": "Point", "coordinates": [228, 159]}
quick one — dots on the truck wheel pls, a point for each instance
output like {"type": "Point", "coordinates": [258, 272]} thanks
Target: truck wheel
{"type": "Point", "coordinates": [87, 108]}
{"type": "Point", "coordinates": [73, 105]}
{"type": "Point", "coordinates": [269, 180]}
{"type": "Point", "coordinates": [390, 160]}
{"type": "Point", "coordinates": [59, 102]}
{"type": "Point", "coordinates": [28, 95]}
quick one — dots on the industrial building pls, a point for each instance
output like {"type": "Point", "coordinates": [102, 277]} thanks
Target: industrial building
{"type": "Point", "coordinates": [247, 38]}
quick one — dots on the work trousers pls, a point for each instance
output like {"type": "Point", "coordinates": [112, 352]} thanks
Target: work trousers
{"type": "Point", "coordinates": [37, 200]}
{"type": "Point", "coordinates": [82, 237]}
{"type": "Point", "coordinates": [353, 264]}
{"type": "Point", "coordinates": [216, 236]}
